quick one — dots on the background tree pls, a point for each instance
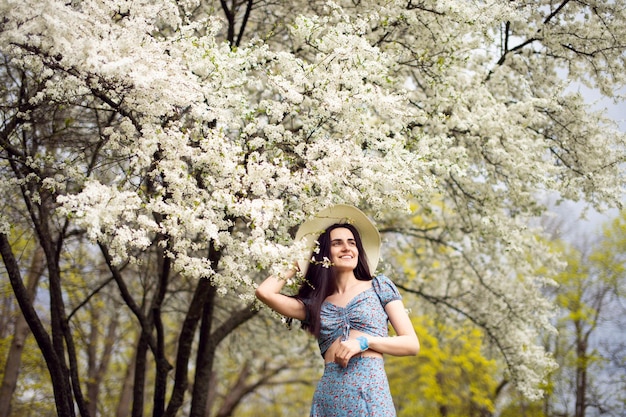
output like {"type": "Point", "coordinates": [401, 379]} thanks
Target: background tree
{"type": "Point", "coordinates": [590, 308]}
{"type": "Point", "coordinates": [188, 151]}
{"type": "Point", "coordinates": [591, 297]}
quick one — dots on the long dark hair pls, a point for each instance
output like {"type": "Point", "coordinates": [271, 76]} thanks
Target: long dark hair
{"type": "Point", "coordinates": [319, 281]}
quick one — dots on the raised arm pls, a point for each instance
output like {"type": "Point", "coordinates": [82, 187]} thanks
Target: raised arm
{"type": "Point", "coordinates": [269, 293]}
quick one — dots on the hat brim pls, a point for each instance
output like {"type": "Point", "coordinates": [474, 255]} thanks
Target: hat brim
{"type": "Point", "coordinates": [342, 214]}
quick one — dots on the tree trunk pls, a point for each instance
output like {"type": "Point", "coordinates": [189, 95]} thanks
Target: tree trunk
{"type": "Point", "coordinates": [21, 331]}
{"type": "Point", "coordinates": [154, 318]}
{"type": "Point", "coordinates": [98, 365]}
{"type": "Point", "coordinates": [56, 368]}
{"type": "Point", "coordinates": [146, 340]}
{"type": "Point", "coordinates": [206, 354]}
{"type": "Point", "coordinates": [62, 339]}
{"type": "Point", "coordinates": [204, 360]}
{"type": "Point", "coordinates": [92, 349]}
{"type": "Point", "coordinates": [126, 393]}
{"type": "Point", "coordinates": [185, 344]}
{"type": "Point", "coordinates": [139, 379]}
{"type": "Point", "coordinates": [581, 372]}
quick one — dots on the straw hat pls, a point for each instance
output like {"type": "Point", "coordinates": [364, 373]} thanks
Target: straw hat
{"type": "Point", "coordinates": [341, 213]}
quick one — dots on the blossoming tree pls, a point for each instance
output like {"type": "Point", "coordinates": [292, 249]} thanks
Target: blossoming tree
{"type": "Point", "coordinates": [205, 132]}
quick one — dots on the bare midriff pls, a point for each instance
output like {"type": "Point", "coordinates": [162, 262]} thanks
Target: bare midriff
{"type": "Point", "coordinates": [329, 356]}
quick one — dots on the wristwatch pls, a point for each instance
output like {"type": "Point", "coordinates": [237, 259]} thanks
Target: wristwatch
{"type": "Point", "coordinates": [363, 343]}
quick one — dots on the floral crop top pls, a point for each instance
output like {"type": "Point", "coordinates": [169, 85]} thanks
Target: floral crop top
{"type": "Point", "coordinates": [365, 313]}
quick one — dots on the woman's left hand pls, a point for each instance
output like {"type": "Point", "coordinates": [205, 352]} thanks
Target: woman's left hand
{"type": "Point", "coordinates": [346, 350]}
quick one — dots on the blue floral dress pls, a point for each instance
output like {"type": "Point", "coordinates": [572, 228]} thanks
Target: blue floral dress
{"type": "Point", "coordinates": [361, 389]}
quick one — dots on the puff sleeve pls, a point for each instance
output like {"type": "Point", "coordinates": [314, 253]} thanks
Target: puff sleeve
{"type": "Point", "coordinates": [385, 289]}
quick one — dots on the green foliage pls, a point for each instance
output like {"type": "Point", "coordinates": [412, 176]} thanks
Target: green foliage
{"type": "Point", "coordinates": [450, 377]}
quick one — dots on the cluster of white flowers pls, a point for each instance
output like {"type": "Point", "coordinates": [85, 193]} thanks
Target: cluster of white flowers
{"type": "Point", "coordinates": [114, 218]}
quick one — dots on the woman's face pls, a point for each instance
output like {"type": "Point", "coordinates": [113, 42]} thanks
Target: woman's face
{"type": "Point", "coordinates": [343, 251]}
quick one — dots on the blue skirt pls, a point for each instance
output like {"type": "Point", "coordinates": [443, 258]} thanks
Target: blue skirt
{"type": "Point", "coordinates": [359, 390]}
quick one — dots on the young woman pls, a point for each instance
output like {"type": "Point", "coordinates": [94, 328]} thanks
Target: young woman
{"type": "Point", "coordinates": [348, 310]}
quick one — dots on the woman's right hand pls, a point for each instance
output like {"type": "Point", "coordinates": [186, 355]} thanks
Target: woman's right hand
{"type": "Point", "coordinates": [346, 350]}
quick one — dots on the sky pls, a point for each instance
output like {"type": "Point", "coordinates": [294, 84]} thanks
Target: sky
{"type": "Point", "coordinates": [616, 111]}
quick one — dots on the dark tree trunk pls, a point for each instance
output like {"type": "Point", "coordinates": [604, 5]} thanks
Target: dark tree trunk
{"type": "Point", "coordinates": [185, 344]}
{"type": "Point", "coordinates": [162, 365]}
{"type": "Point", "coordinates": [207, 348]}
{"type": "Point", "coordinates": [14, 357]}
{"type": "Point", "coordinates": [140, 376]}
{"type": "Point", "coordinates": [62, 339]}
{"type": "Point", "coordinates": [582, 363]}
{"type": "Point", "coordinates": [56, 366]}
{"type": "Point", "coordinates": [204, 359]}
